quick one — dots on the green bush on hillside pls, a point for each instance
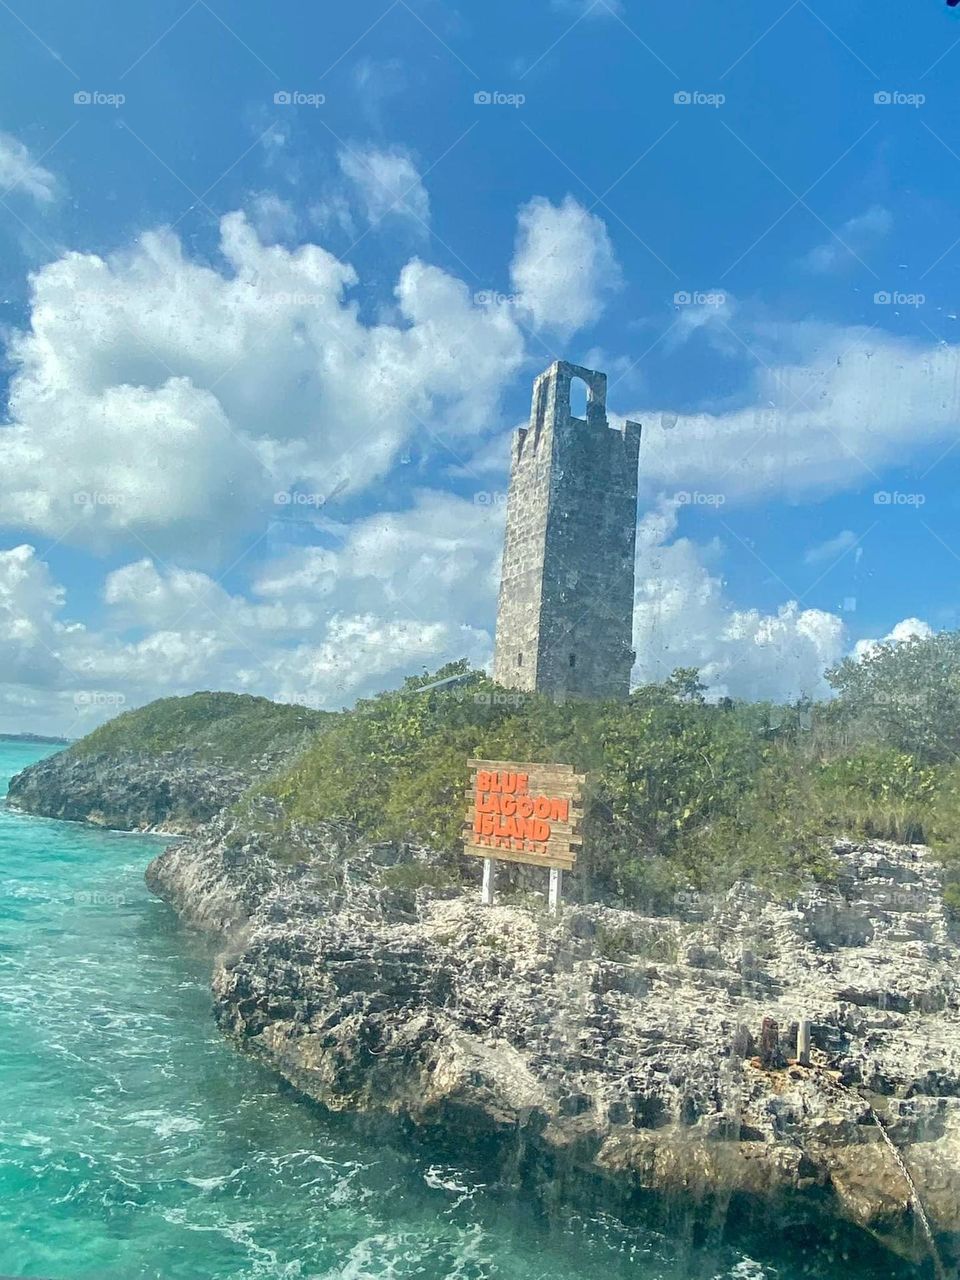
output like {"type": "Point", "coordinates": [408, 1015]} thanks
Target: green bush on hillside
{"type": "Point", "coordinates": [670, 777]}
{"type": "Point", "coordinates": [879, 793]}
{"type": "Point", "coordinates": [233, 727]}
{"type": "Point", "coordinates": [904, 695]}
{"type": "Point", "coordinates": [681, 792]}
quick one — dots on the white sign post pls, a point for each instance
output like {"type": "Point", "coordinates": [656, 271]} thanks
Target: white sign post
{"type": "Point", "coordinates": [489, 880]}
{"type": "Point", "coordinates": [556, 888]}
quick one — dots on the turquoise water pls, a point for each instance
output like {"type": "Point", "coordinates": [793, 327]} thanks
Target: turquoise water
{"type": "Point", "coordinates": [135, 1143]}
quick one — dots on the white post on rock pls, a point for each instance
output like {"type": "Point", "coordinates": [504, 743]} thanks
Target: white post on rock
{"type": "Point", "coordinates": [489, 880]}
{"type": "Point", "coordinates": [556, 888]}
{"type": "Point", "coordinates": [803, 1042]}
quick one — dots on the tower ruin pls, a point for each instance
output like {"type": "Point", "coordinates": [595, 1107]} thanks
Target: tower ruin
{"type": "Point", "coordinates": [565, 616]}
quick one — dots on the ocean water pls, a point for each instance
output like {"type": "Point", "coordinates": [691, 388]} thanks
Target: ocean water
{"type": "Point", "coordinates": [135, 1143]}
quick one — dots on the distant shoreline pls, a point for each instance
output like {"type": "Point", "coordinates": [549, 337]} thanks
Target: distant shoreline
{"type": "Point", "coordinates": [38, 738]}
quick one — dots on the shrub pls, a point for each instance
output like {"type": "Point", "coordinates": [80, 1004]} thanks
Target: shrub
{"type": "Point", "coordinates": [417, 875]}
{"type": "Point", "coordinates": [234, 727]}
{"type": "Point", "coordinates": [772, 835]}
{"type": "Point", "coordinates": [670, 778]}
{"type": "Point", "coordinates": [905, 694]}
{"type": "Point", "coordinates": [879, 793]}
{"type": "Point", "coordinates": [680, 792]}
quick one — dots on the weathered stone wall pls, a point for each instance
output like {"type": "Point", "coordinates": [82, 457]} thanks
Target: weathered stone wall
{"type": "Point", "coordinates": [565, 620]}
{"type": "Point", "coordinates": [524, 549]}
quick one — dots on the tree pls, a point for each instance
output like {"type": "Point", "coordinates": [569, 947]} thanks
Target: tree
{"type": "Point", "coordinates": [905, 694]}
{"type": "Point", "coordinates": [685, 685]}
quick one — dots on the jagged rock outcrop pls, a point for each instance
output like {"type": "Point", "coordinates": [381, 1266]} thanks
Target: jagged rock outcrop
{"type": "Point", "coordinates": [616, 1045]}
{"type": "Point", "coordinates": [173, 791]}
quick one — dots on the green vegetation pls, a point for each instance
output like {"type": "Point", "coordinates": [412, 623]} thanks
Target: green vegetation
{"type": "Point", "coordinates": [625, 944]}
{"type": "Point", "coordinates": [682, 793]}
{"type": "Point", "coordinates": [233, 727]}
{"type": "Point", "coordinates": [905, 695]}
{"type": "Point", "coordinates": [416, 875]}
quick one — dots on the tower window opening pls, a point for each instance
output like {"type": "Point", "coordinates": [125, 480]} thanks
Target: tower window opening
{"type": "Point", "coordinates": [573, 659]}
{"type": "Point", "coordinates": [578, 398]}
{"type": "Point", "coordinates": [519, 659]}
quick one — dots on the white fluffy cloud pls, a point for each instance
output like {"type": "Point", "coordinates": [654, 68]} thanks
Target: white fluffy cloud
{"type": "Point", "coordinates": [387, 184]}
{"type": "Point", "coordinates": [20, 172]}
{"type": "Point", "coordinates": [439, 558]}
{"type": "Point", "coordinates": [179, 407]}
{"type": "Point", "coordinates": [857, 236]}
{"type": "Point", "coordinates": [364, 653]}
{"type": "Point", "coordinates": [829, 415]}
{"type": "Point", "coordinates": [393, 593]}
{"type": "Point", "coordinates": [161, 397]}
{"type": "Point", "coordinates": [684, 619]}
{"type": "Point", "coordinates": [29, 606]}
{"type": "Point", "coordinates": [905, 630]}
{"type": "Point", "coordinates": [273, 218]}
{"type": "Point", "coordinates": [712, 316]}
{"type": "Point", "coordinates": [564, 265]}
{"type": "Point", "coordinates": [163, 402]}
{"type": "Point", "coordinates": [832, 549]}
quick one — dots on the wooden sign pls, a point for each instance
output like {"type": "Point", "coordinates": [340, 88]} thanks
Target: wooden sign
{"type": "Point", "coordinates": [524, 813]}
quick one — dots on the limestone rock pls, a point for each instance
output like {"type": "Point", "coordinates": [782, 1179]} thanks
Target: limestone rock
{"type": "Point", "coordinates": [173, 791]}
{"type": "Point", "coordinates": [627, 1062]}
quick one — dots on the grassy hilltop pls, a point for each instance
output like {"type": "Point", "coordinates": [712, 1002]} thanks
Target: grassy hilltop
{"type": "Point", "coordinates": [681, 792]}
{"type": "Point", "coordinates": [234, 728]}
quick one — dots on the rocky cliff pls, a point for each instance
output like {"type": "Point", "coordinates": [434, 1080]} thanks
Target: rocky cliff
{"type": "Point", "coordinates": [608, 1045]}
{"type": "Point", "coordinates": [168, 766]}
{"type": "Point", "coordinates": [172, 791]}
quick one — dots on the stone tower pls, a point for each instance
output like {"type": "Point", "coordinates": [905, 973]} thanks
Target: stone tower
{"type": "Point", "coordinates": [565, 618]}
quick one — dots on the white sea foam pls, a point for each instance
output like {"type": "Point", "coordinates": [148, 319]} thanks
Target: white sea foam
{"type": "Point", "coordinates": [165, 1125]}
{"type": "Point", "coordinates": [210, 1184]}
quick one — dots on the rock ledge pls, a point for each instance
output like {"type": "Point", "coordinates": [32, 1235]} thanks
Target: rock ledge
{"type": "Point", "coordinates": [617, 1046]}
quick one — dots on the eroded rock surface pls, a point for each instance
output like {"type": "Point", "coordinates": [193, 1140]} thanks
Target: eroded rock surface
{"type": "Point", "coordinates": [619, 1044]}
{"type": "Point", "coordinates": [173, 791]}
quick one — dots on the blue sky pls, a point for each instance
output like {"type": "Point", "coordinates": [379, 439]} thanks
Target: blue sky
{"type": "Point", "coordinates": [263, 356]}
